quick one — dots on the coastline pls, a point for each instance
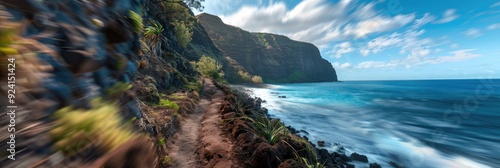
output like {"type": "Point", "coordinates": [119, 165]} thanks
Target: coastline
{"type": "Point", "coordinates": [337, 158]}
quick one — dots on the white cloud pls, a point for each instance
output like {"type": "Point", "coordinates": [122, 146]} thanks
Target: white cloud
{"type": "Point", "coordinates": [410, 61]}
{"type": "Point", "coordinates": [342, 48]}
{"type": "Point", "coordinates": [374, 64]}
{"type": "Point", "coordinates": [427, 18]}
{"type": "Point", "coordinates": [448, 16]}
{"type": "Point", "coordinates": [473, 32]}
{"type": "Point", "coordinates": [408, 42]}
{"type": "Point", "coordinates": [317, 21]}
{"type": "Point", "coordinates": [338, 65]}
{"type": "Point", "coordinates": [459, 55]}
{"type": "Point", "coordinates": [378, 24]}
{"type": "Point", "coordinates": [455, 45]}
{"type": "Point", "coordinates": [494, 26]}
{"type": "Point", "coordinates": [495, 4]}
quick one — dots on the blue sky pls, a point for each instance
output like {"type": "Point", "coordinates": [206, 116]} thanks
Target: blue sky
{"type": "Point", "coordinates": [385, 39]}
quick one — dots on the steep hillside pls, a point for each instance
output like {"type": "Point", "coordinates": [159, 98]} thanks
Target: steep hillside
{"type": "Point", "coordinates": [275, 58]}
{"type": "Point", "coordinates": [201, 44]}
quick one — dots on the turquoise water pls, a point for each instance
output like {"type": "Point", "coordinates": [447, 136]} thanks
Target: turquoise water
{"type": "Point", "coordinates": [425, 123]}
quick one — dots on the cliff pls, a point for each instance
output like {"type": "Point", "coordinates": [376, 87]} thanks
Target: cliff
{"type": "Point", "coordinates": [276, 58]}
{"type": "Point", "coordinates": [201, 44]}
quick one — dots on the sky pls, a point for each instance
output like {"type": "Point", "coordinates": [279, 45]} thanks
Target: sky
{"type": "Point", "coordinates": [384, 39]}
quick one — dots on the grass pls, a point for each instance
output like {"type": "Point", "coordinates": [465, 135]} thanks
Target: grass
{"type": "Point", "coordinates": [169, 104]}
{"type": "Point", "coordinates": [270, 129]}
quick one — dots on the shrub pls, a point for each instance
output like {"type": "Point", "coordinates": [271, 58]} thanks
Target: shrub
{"type": "Point", "coordinates": [99, 126]}
{"type": "Point", "coordinates": [270, 129]}
{"type": "Point", "coordinates": [209, 67]}
{"type": "Point", "coordinates": [245, 77]}
{"type": "Point", "coordinates": [182, 32]}
{"type": "Point", "coordinates": [136, 21]}
{"type": "Point", "coordinates": [168, 104]}
{"type": "Point", "coordinates": [256, 79]}
{"type": "Point", "coordinates": [153, 33]}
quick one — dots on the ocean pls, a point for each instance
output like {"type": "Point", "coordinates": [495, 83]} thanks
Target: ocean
{"type": "Point", "coordinates": [415, 123]}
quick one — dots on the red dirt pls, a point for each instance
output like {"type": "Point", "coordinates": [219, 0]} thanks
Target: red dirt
{"type": "Point", "coordinates": [201, 141]}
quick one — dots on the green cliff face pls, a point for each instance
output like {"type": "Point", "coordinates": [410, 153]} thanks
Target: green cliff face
{"type": "Point", "coordinates": [201, 44]}
{"type": "Point", "coordinates": [276, 58]}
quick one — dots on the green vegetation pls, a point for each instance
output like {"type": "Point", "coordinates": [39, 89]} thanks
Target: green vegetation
{"type": "Point", "coordinates": [182, 32]}
{"type": "Point", "coordinates": [209, 67]}
{"type": "Point", "coordinates": [168, 104]}
{"type": "Point", "coordinates": [270, 129]}
{"type": "Point", "coordinates": [257, 79]}
{"type": "Point", "coordinates": [7, 38]}
{"type": "Point", "coordinates": [77, 129]}
{"type": "Point", "coordinates": [117, 89]}
{"type": "Point", "coordinates": [194, 86]}
{"type": "Point", "coordinates": [311, 164]}
{"type": "Point", "coordinates": [167, 160]}
{"type": "Point", "coordinates": [309, 159]}
{"type": "Point", "coordinates": [262, 39]}
{"type": "Point", "coordinates": [161, 141]}
{"type": "Point", "coordinates": [245, 77]}
{"type": "Point", "coordinates": [136, 21]}
{"type": "Point", "coordinates": [153, 33]}
{"type": "Point", "coordinates": [179, 15]}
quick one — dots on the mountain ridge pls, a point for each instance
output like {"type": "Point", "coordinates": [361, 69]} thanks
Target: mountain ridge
{"type": "Point", "coordinates": [276, 58]}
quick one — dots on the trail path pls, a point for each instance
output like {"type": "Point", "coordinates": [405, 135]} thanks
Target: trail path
{"type": "Point", "coordinates": [201, 142]}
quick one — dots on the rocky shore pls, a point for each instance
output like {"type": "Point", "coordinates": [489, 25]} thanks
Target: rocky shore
{"type": "Point", "coordinates": [291, 150]}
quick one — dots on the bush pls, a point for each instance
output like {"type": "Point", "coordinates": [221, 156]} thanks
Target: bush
{"type": "Point", "coordinates": [209, 67]}
{"type": "Point", "coordinates": [153, 33]}
{"type": "Point", "coordinates": [244, 76]}
{"type": "Point", "coordinates": [270, 129]}
{"type": "Point", "coordinates": [256, 79]}
{"type": "Point", "coordinates": [100, 126]}
{"type": "Point", "coordinates": [182, 32]}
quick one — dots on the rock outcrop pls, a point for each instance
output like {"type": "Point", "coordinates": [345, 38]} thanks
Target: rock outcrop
{"type": "Point", "coordinates": [276, 58]}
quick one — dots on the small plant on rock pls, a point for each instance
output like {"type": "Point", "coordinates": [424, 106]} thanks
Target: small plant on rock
{"type": "Point", "coordinates": [270, 129]}
{"type": "Point", "coordinates": [168, 104]}
{"type": "Point", "coordinates": [153, 33]}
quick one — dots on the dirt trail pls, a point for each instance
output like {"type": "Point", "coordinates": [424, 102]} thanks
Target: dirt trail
{"type": "Point", "coordinates": [200, 142]}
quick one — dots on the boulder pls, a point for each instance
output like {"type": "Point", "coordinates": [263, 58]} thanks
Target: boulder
{"type": "Point", "coordinates": [321, 143]}
{"type": "Point", "coordinates": [265, 156]}
{"type": "Point", "coordinates": [375, 165]}
{"type": "Point", "coordinates": [357, 157]}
